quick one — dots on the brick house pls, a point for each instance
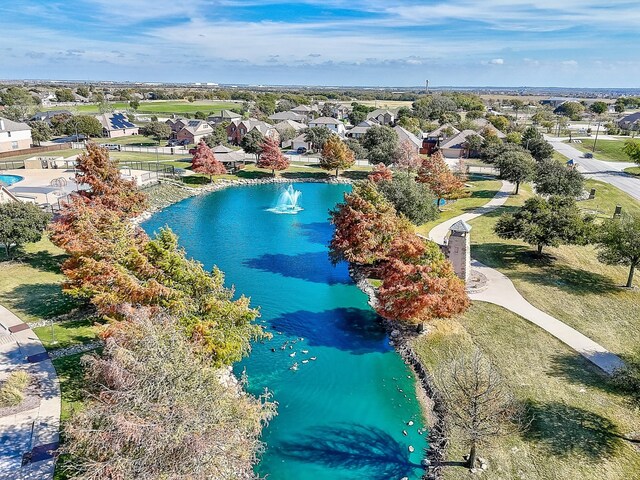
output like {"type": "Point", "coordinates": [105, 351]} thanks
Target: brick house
{"type": "Point", "coordinates": [193, 131]}
{"type": "Point", "coordinates": [237, 129]}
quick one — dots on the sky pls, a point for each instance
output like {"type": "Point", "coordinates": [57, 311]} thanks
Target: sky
{"type": "Point", "coordinates": [563, 43]}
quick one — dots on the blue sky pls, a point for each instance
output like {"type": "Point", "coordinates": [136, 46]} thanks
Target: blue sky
{"type": "Point", "coordinates": [572, 43]}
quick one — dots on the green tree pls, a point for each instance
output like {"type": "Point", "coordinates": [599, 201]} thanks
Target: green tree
{"type": "Point", "coordinates": [200, 115]}
{"type": "Point", "coordinates": [359, 113]}
{"type": "Point", "coordinates": [40, 132]}
{"type": "Point", "coordinates": [539, 149]}
{"type": "Point", "coordinates": [16, 96]}
{"type": "Point", "coordinates": [134, 104]}
{"type": "Point", "coordinates": [573, 110]}
{"type": "Point", "coordinates": [516, 167]}
{"type": "Point", "coordinates": [517, 105]}
{"type": "Point", "coordinates": [87, 125]}
{"type": "Point", "coordinates": [413, 199]}
{"type": "Point", "coordinates": [542, 223]}
{"type": "Point", "coordinates": [64, 95]}
{"type": "Point", "coordinates": [21, 223]}
{"type": "Point", "coordinates": [219, 135]}
{"type": "Point", "coordinates": [632, 149]}
{"type": "Point", "coordinates": [514, 137]}
{"type": "Point", "coordinates": [316, 136]}
{"type": "Point", "coordinates": [499, 121]}
{"type": "Point", "coordinates": [473, 144]}
{"type": "Point", "coordinates": [381, 142]}
{"type": "Point", "coordinates": [83, 92]}
{"type": "Point", "coordinates": [157, 130]}
{"type": "Point", "coordinates": [618, 243]}
{"type": "Point", "coordinates": [598, 107]}
{"type": "Point", "coordinates": [553, 178]}
{"type": "Point", "coordinates": [252, 142]}
{"type": "Point", "coordinates": [356, 147]}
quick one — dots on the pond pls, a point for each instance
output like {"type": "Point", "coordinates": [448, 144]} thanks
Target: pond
{"type": "Point", "coordinates": [345, 398]}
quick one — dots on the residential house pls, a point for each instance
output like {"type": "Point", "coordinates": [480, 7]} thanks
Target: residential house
{"type": "Point", "coordinates": [382, 116]}
{"type": "Point", "coordinates": [306, 111]}
{"type": "Point", "coordinates": [116, 125]}
{"type": "Point", "coordinates": [47, 116]}
{"type": "Point", "coordinates": [630, 122]}
{"type": "Point", "coordinates": [14, 135]}
{"type": "Point", "coordinates": [288, 125]}
{"type": "Point", "coordinates": [431, 141]}
{"type": "Point", "coordinates": [223, 116]}
{"type": "Point", "coordinates": [237, 129]}
{"type": "Point", "coordinates": [194, 131]}
{"type": "Point", "coordinates": [341, 112]}
{"type": "Point", "coordinates": [176, 124]}
{"type": "Point", "coordinates": [332, 124]}
{"type": "Point", "coordinates": [300, 142]}
{"type": "Point", "coordinates": [290, 115]}
{"type": "Point", "coordinates": [359, 130]}
{"type": "Point", "coordinates": [455, 146]}
{"type": "Point", "coordinates": [405, 135]}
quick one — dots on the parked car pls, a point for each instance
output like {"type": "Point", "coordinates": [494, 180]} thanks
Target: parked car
{"type": "Point", "coordinates": [192, 151]}
{"type": "Point", "coordinates": [172, 143]}
{"type": "Point", "coordinates": [301, 150]}
{"type": "Point", "coordinates": [588, 155]}
{"type": "Point", "coordinates": [111, 146]}
{"type": "Point", "coordinates": [183, 142]}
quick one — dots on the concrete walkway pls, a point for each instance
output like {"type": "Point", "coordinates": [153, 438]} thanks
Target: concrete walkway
{"type": "Point", "coordinates": [608, 172]}
{"type": "Point", "coordinates": [28, 437]}
{"type": "Point", "coordinates": [501, 291]}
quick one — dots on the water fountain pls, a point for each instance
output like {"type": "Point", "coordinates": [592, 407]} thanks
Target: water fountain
{"type": "Point", "coordinates": [288, 201]}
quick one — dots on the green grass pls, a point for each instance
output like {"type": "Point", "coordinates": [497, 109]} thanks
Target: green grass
{"type": "Point", "coordinates": [12, 388]}
{"type": "Point", "coordinates": [57, 153]}
{"type": "Point", "coordinates": [608, 150]}
{"type": "Point", "coordinates": [162, 107]}
{"type": "Point", "coordinates": [560, 157]}
{"type": "Point", "coordinates": [633, 171]}
{"type": "Point", "coordinates": [568, 282]}
{"type": "Point", "coordinates": [71, 375]}
{"type": "Point", "coordinates": [67, 334]}
{"type": "Point", "coordinates": [579, 422]}
{"type": "Point", "coordinates": [133, 140]}
{"type": "Point", "coordinates": [483, 189]}
{"type": "Point", "coordinates": [30, 284]}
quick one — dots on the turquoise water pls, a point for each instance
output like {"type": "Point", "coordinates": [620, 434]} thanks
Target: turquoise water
{"type": "Point", "coordinates": [8, 180]}
{"type": "Point", "coordinates": [342, 415]}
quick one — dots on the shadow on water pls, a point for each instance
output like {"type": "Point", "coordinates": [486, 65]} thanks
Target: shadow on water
{"type": "Point", "coordinates": [317, 232]}
{"type": "Point", "coordinates": [311, 267]}
{"type": "Point", "coordinates": [350, 329]}
{"type": "Point", "coordinates": [366, 449]}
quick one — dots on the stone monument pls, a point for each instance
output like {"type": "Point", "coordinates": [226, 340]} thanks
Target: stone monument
{"type": "Point", "coordinates": [459, 249]}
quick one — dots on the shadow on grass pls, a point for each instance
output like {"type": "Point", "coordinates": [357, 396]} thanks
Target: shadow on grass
{"type": "Point", "coordinates": [43, 260]}
{"type": "Point", "coordinates": [543, 269]}
{"type": "Point", "coordinates": [195, 180]}
{"type": "Point", "coordinates": [40, 300]}
{"type": "Point", "coordinates": [565, 430]}
{"type": "Point", "coordinates": [355, 174]}
{"type": "Point", "coordinates": [253, 174]}
{"type": "Point", "coordinates": [312, 174]}
{"type": "Point", "coordinates": [368, 450]}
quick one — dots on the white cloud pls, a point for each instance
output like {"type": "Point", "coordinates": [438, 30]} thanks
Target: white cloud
{"type": "Point", "coordinates": [570, 63]}
{"type": "Point", "coordinates": [497, 61]}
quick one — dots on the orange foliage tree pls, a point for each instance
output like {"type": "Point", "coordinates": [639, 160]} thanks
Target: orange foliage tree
{"type": "Point", "coordinates": [435, 173]}
{"type": "Point", "coordinates": [407, 157]}
{"type": "Point", "coordinates": [271, 157]}
{"type": "Point", "coordinates": [418, 283]}
{"type": "Point", "coordinates": [336, 155]}
{"type": "Point", "coordinates": [365, 225]}
{"type": "Point", "coordinates": [380, 173]}
{"type": "Point", "coordinates": [204, 161]}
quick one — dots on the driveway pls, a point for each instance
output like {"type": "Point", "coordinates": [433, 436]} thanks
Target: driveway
{"type": "Point", "coordinates": [609, 172]}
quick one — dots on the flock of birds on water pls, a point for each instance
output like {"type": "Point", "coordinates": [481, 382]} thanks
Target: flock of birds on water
{"type": "Point", "coordinates": [290, 344]}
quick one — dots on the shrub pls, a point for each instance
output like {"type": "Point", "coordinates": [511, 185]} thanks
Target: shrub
{"type": "Point", "coordinates": [12, 390]}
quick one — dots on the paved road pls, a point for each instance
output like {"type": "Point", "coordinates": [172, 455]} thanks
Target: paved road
{"type": "Point", "coordinates": [501, 291]}
{"type": "Point", "coordinates": [609, 172]}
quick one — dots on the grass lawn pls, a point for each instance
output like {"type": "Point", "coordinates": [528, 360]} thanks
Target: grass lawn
{"type": "Point", "coordinates": [568, 282]}
{"type": "Point", "coordinates": [608, 150]}
{"type": "Point", "coordinates": [162, 107]}
{"type": "Point", "coordinates": [66, 334]}
{"type": "Point", "coordinates": [560, 157]}
{"type": "Point", "coordinates": [483, 188]}
{"type": "Point", "coordinates": [578, 421]}
{"type": "Point", "coordinates": [134, 140]}
{"type": "Point", "coordinates": [30, 283]}
{"type": "Point", "coordinates": [633, 171]}
{"type": "Point", "coordinates": [57, 153]}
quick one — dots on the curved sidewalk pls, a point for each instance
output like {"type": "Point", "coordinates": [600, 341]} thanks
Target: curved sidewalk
{"type": "Point", "coordinates": [28, 437]}
{"type": "Point", "coordinates": [501, 291]}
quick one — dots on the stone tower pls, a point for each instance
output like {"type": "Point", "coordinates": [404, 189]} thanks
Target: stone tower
{"type": "Point", "coordinates": [459, 249]}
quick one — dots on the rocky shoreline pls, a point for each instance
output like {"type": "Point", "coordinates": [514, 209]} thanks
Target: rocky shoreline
{"type": "Point", "coordinates": [427, 395]}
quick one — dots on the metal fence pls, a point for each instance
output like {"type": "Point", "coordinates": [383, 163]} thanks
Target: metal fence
{"type": "Point", "coordinates": [11, 164]}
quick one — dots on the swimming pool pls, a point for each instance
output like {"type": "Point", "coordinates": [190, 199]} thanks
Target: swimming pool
{"type": "Point", "coordinates": [8, 180]}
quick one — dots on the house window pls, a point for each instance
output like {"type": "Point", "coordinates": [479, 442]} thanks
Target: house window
{"type": "Point", "coordinates": [14, 145]}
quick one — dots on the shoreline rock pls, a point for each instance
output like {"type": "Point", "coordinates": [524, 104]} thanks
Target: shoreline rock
{"type": "Point", "coordinates": [427, 394]}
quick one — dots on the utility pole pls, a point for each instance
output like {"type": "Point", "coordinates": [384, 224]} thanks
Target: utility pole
{"type": "Point", "coordinates": [427, 87]}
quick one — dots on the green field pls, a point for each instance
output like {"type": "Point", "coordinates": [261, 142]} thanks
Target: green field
{"type": "Point", "coordinates": [608, 150]}
{"type": "Point", "coordinates": [569, 282]}
{"type": "Point", "coordinates": [633, 171]}
{"type": "Point", "coordinates": [581, 427]}
{"type": "Point", "coordinates": [162, 107]}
